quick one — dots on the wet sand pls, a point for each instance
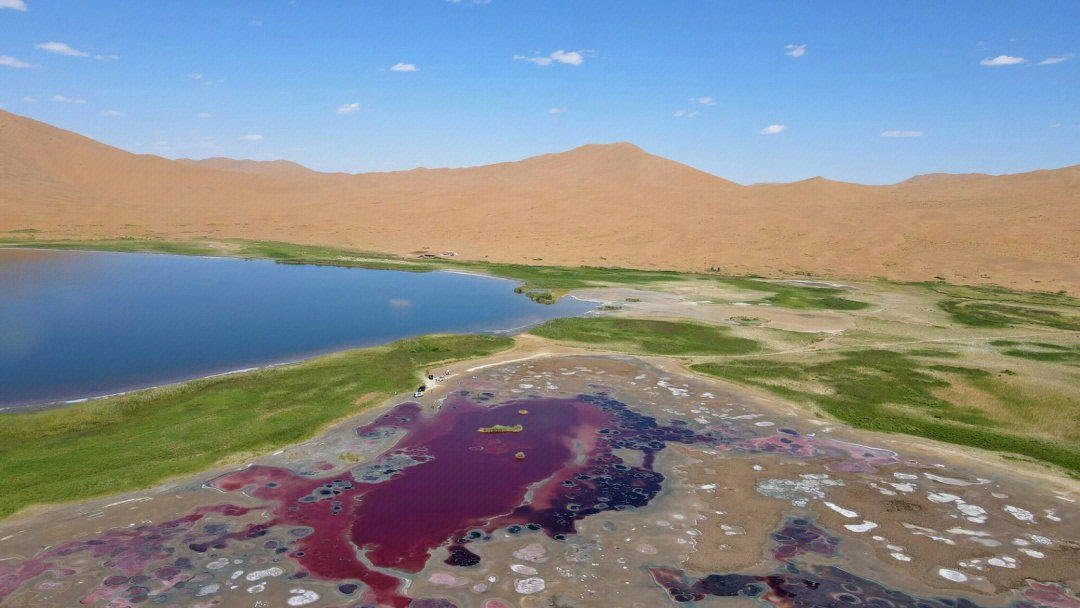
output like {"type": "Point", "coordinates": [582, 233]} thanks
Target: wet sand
{"type": "Point", "coordinates": [641, 485]}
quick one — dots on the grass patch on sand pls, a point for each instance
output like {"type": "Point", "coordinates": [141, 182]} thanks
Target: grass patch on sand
{"type": "Point", "coordinates": [894, 392]}
{"type": "Point", "coordinates": [135, 441]}
{"type": "Point", "coordinates": [799, 297]}
{"type": "Point", "coordinates": [997, 307]}
{"type": "Point", "coordinates": [999, 294]}
{"type": "Point", "coordinates": [648, 336]}
{"type": "Point", "coordinates": [1040, 351]}
{"type": "Point", "coordinates": [978, 313]}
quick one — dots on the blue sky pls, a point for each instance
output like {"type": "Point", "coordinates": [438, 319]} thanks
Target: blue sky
{"type": "Point", "coordinates": [872, 92]}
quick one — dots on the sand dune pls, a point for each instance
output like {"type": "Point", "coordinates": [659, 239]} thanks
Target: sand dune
{"type": "Point", "coordinates": [598, 204]}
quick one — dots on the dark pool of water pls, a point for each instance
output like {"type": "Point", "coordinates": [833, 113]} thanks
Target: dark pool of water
{"type": "Point", "coordinates": [83, 324]}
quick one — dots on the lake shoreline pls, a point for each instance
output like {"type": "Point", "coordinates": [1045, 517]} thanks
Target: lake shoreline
{"type": "Point", "coordinates": [404, 307]}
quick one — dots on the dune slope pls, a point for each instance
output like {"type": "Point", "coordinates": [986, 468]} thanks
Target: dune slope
{"type": "Point", "coordinates": [612, 205]}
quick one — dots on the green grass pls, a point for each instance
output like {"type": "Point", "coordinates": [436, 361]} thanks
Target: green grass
{"type": "Point", "coordinates": [648, 336]}
{"type": "Point", "coordinates": [1040, 351]}
{"type": "Point", "coordinates": [978, 313]}
{"type": "Point", "coordinates": [999, 294]}
{"type": "Point", "coordinates": [135, 441]}
{"type": "Point", "coordinates": [893, 392]}
{"type": "Point", "coordinates": [798, 297]}
{"type": "Point", "coordinates": [997, 307]}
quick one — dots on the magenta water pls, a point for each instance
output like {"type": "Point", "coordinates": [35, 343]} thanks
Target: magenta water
{"type": "Point", "coordinates": [446, 484]}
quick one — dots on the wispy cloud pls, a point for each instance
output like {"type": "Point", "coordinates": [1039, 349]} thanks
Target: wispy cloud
{"type": "Point", "coordinates": [204, 115]}
{"type": "Point", "coordinates": [62, 48]}
{"type": "Point", "coordinates": [63, 99]}
{"type": "Point", "coordinates": [901, 134]}
{"type": "Point", "coordinates": [1002, 60]}
{"type": "Point", "coordinates": [113, 113]}
{"type": "Point", "coordinates": [795, 50]}
{"type": "Point", "coordinates": [348, 108]}
{"type": "Point", "coordinates": [18, 5]}
{"type": "Point", "coordinates": [556, 110]}
{"type": "Point", "coordinates": [11, 62]}
{"type": "Point", "coordinates": [685, 114]}
{"type": "Point", "coordinates": [195, 76]}
{"type": "Point", "coordinates": [1051, 60]}
{"type": "Point", "coordinates": [28, 99]}
{"type": "Point", "coordinates": [560, 56]}
{"type": "Point", "coordinates": [251, 137]}
{"type": "Point", "coordinates": [705, 101]}
{"type": "Point", "coordinates": [772, 129]}
{"type": "Point", "coordinates": [404, 67]}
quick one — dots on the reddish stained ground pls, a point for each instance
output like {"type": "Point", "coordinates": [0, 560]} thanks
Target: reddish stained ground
{"type": "Point", "coordinates": [464, 480]}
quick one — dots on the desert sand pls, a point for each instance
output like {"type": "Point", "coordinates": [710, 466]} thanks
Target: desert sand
{"type": "Point", "coordinates": [608, 205]}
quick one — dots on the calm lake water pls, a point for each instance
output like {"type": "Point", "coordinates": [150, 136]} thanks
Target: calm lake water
{"type": "Point", "coordinates": [79, 324]}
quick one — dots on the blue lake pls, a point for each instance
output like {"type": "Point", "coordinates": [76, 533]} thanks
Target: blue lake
{"type": "Point", "coordinates": [79, 324]}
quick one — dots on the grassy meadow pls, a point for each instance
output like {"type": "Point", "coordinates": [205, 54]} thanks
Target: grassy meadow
{"type": "Point", "coordinates": [647, 336]}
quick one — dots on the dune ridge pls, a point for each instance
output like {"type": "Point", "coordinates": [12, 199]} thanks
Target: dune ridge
{"type": "Point", "coordinates": [598, 204]}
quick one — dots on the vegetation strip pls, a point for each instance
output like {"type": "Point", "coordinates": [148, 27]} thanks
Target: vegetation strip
{"type": "Point", "coordinates": [898, 393]}
{"type": "Point", "coordinates": [648, 336]}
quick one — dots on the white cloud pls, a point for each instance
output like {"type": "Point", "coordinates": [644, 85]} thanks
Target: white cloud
{"type": "Point", "coordinates": [18, 5]}
{"type": "Point", "coordinates": [404, 67]}
{"type": "Point", "coordinates": [795, 50]}
{"type": "Point", "coordinates": [705, 101]}
{"type": "Point", "coordinates": [348, 108]}
{"type": "Point", "coordinates": [685, 114]}
{"type": "Point", "coordinates": [569, 58]}
{"type": "Point", "coordinates": [772, 129]}
{"type": "Point", "coordinates": [63, 99]}
{"type": "Point", "coordinates": [28, 99]}
{"type": "Point", "coordinates": [61, 48]}
{"type": "Point", "coordinates": [901, 134]}
{"type": "Point", "coordinates": [12, 62]}
{"type": "Point", "coordinates": [195, 76]}
{"type": "Point", "coordinates": [256, 23]}
{"type": "Point", "coordinates": [204, 115]}
{"type": "Point", "coordinates": [113, 113]}
{"type": "Point", "coordinates": [251, 137]}
{"type": "Point", "coordinates": [1051, 60]}
{"type": "Point", "coordinates": [556, 110]}
{"type": "Point", "coordinates": [561, 56]}
{"type": "Point", "coordinates": [536, 60]}
{"type": "Point", "coordinates": [1003, 60]}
